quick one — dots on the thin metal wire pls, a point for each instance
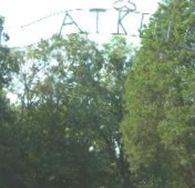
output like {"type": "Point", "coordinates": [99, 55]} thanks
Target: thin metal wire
{"type": "Point", "coordinates": [60, 13]}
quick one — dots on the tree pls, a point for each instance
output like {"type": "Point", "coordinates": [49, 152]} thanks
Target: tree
{"type": "Point", "coordinates": [158, 128]}
{"type": "Point", "coordinates": [70, 111]}
{"type": "Point", "coordinates": [9, 150]}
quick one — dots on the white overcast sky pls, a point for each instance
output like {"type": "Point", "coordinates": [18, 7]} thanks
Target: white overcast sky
{"type": "Point", "coordinates": [22, 12]}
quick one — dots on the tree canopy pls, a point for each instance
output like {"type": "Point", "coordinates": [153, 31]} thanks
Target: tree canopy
{"type": "Point", "coordinates": [102, 116]}
{"type": "Point", "coordinates": [158, 127]}
{"type": "Point", "coordinates": [68, 114]}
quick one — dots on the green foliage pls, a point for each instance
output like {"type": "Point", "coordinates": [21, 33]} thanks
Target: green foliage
{"type": "Point", "coordinates": [158, 127]}
{"type": "Point", "coordinates": [66, 133]}
{"type": "Point", "coordinates": [9, 150]}
{"type": "Point", "coordinates": [9, 62]}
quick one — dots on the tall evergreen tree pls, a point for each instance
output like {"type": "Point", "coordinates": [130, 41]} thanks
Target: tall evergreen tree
{"type": "Point", "coordinates": [159, 125]}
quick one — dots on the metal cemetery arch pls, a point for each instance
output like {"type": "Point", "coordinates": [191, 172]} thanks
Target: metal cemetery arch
{"type": "Point", "coordinates": [122, 7]}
